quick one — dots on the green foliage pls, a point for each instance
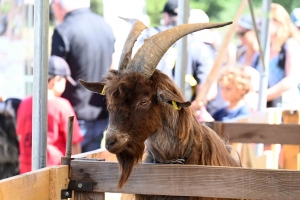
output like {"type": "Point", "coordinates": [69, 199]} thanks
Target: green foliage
{"type": "Point", "coordinates": [289, 5]}
{"type": "Point", "coordinates": [154, 9]}
{"type": "Point", "coordinates": [212, 8]}
{"type": "Point", "coordinates": [217, 10]}
{"type": "Point", "coordinates": [97, 6]}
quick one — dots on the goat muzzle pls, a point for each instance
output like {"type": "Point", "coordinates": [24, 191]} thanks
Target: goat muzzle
{"type": "Point", "coordinates": [115, 142]}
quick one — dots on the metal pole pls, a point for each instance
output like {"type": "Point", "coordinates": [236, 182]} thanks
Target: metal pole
{"type": "Point", "coordinates": [264, 71]}
{"type": "Point", "coordinates": [70, 137]}
{"type": "Point", "coordinates": [40, 81]}
{"type": "Point", "coordinates": [257, 35]}
{"type": "Point", "coordinates": [181, 63]}
{"type": "Point", "coordinates": [265, 41]}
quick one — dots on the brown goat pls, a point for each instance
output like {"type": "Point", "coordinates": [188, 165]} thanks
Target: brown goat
{"type": "Point", "coordinates": [146, 107]}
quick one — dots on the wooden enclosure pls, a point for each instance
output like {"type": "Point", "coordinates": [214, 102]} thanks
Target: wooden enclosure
{"type": "Point", "coordinates": [89, 177]}
{"type": "Point", "coordinates": [192, 180]}
{"type": "Point", "coordinates": [42, 184]}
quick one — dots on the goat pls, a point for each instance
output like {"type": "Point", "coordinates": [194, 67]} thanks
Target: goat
{"type": "Point", "coordinates": [147, 110]}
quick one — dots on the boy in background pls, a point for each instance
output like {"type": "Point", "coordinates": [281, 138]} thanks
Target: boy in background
{"type": "Point", "coordinates": [59, 110]}
{"type": "Point", "coordinates": [235, 83]}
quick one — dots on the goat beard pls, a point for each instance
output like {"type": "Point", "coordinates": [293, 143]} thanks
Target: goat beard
{"type": "Point", "coordinates": [127, 159]}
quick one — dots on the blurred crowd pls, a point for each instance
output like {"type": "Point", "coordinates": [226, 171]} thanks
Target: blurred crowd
{"type": "Point", "coordinates": [83, 48]}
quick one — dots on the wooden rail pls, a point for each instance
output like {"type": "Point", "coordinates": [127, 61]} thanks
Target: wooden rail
{"type": "Point", "coordinates": [45, 183]}
{"type": "Point", "coordinates": [182, 180]}
{"type": "Point", "coordinates": [193, 180]}
{"type": "Point", "coordinates": [99, 153]}
{"type": "Point", "coordinates": [258, 133]}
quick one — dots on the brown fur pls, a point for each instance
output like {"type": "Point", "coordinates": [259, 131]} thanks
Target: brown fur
{"type": "Point", "coordinates": [164, 130]}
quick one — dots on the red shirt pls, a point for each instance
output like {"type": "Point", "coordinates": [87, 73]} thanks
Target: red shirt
{"type": "Point", "coordinates": [59, 110]}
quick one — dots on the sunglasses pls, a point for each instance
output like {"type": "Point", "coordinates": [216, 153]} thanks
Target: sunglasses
{"type": "Point", "coordinates": [242, 33]}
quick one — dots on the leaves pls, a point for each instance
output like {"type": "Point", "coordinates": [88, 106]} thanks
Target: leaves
{"type": "Point", "coordinates": [154, 10]}
{"type": "Point", "coordinates": [97, 6]}
{"type": "Point", "coordinates": [217, 10]}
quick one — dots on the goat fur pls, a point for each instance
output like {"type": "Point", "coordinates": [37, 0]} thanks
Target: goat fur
{"type": "Point", "coordinates": [164, 130]}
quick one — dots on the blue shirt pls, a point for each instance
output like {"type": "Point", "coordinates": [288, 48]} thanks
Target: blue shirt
{"type": "Point", "coordinates": [225, 114]}
{"type": "Point", "coordinates": [276, 72]}
{"type": "Point", "coordinates": [277, 69]}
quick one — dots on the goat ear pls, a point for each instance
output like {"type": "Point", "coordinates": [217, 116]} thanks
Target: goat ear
{"type": "Point", "coordinates": [171, 98]}
{"type": "Point", "coordinates": [96, 87]}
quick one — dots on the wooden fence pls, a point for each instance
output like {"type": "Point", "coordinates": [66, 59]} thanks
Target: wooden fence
{"type": "Point", "coordinates": [42, 184]}
{"type": "Point", "coordinates": [92, 178]}
{"type": "Point", "coordinates": [191, 180]}
{"type": "Point", "coordinates": [259, 133]}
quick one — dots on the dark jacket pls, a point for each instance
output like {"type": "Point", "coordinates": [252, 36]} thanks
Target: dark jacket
{"type": "Point", "coordinates": [86, 42]}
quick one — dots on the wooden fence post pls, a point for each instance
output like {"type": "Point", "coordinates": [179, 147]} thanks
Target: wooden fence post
{"type": "Point", "coordinates": [291, 152]}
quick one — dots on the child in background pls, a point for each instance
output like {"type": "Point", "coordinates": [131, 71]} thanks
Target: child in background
{"type": "Point", "coordinates": [235, 82]}
{"type": "Point", "coordinates": [251, 98]}
{"type": "Point", "coordinates": [59, 110]}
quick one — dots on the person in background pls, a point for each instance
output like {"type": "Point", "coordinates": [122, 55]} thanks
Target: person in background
{"type": "Point", "coordinates": [249, 45]}
{"type": "Point", "coordinates": [251, 98]}
{"type": "Point", "coordinates": [208, 38]}
{"type": "Point", "coordinates": [169, 20]}
{"type": "Point", "coordinates": [284, 56]}
{"type": "Point", "coordinates": [59, 109]}
{"type": "Point", "coordinates": [9, 144]}
{"type": "Point", "coordinates": [295, 17]}
{"type": "Point", "coordinates": [200, 54]}
{"type": "Point", "coordinates": [86, 42]}
{"type": "Point", "coordinates": [235, 84]}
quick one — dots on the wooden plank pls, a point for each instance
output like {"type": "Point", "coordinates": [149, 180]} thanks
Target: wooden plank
{"type": "Point", "coordinates": [193, 180]}
{"type": "Point", "coordinates": [98, 154]}
{"type": "Point", "coordinates": [290, 152]}
{"type": "Point", "coordinates": [88, 196]}
{"type": "Point", "coordinates": [261, 162]}
{"type": "Point", "coordinates": [291, 117]}
{"type": "Point", "coordinates": [259, 133]}
{"type": "Point", "coordinates": [250, 155]}
{"type": "Point", "coordinates": [29, 186]}
{"type": "Point", "coordinates": [268, 116]}
{"type": "Point", "coordinates": [58, 180]}
{"type": "Point", "coordinates": [91, 154]}
{"type": "Point", "coordinates": [298, 161]}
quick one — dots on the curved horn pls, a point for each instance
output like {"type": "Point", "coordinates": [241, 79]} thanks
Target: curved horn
{"type": "Point", "coordinates": [135, 32]}
{"type": "Point", "coordinates": [149, 55]}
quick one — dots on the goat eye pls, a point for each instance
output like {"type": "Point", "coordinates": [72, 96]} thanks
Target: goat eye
{"type": "Point", "coordinates": [143, 103]}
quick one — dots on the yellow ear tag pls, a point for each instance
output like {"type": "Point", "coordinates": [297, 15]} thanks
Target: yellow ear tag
{"type": "Point", "coordinates": [175, 105]}
{"type": "Point", "coordinates": [103, 90]}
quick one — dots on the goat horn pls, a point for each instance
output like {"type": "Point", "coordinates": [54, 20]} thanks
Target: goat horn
{"type": "Point", "coordinates": [135, 32]}
{"type": "Point", "coordinates": [149, 55]}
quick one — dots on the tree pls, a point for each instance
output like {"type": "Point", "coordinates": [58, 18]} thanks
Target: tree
{"type": "Point", "coordinates": [217, 10]}
{"type": "Point", "coordinates": [154, 9]}
{"type": "Point", "coordinates": [97, 6]}
{"type": "Point", "coordinates": [213, 8]}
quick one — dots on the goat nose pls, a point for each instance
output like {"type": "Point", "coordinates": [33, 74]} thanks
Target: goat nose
{"type": "Point", "coordinates": [110, 143]}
